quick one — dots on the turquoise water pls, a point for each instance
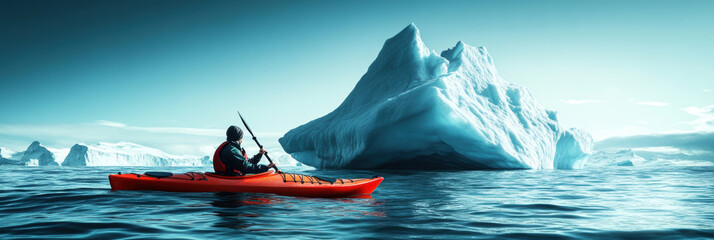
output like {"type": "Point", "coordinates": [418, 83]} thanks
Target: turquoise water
{"type": "Point", "coordinates": [607, 203]}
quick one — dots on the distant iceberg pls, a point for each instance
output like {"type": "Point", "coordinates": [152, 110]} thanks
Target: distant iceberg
{"type": "Point", "coordinates": [120, 154]}
{"type": "Point", "coordinates": [418, 109]}
{"type": "Point", "coordinates": [34, 155]}
{"type": "Point", "coordinates": [6, 153]}
{"type": "Point", "coordinates": [625, 157]}
{"type": "Point", "coordinates": [276, 153]}
{"type": "Point", "coordinates": [127, 154]}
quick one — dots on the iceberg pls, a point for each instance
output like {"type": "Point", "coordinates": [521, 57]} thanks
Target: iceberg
{"type": "Point", "coordinates": [9, 157]}
{"type": "Point", "coordinates": [414, 108]}
{"type": "Point", "coordinates": [625, 157]}
{"type": "Point", "coordinates": [6, 153]}
{"type": "Point", "coordinates": [127, 154]}
{"type": "Point", "coordinates": [674, 157]}
{"type": "Point", "coordinates": [34, 155]}
{"type": "Point", "coordinates": [43, 156]}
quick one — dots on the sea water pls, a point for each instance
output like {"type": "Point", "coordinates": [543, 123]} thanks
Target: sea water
{"type": "Point", "coordinates": [605, 203]}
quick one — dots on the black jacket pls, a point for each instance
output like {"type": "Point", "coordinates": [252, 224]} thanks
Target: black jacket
{"type": "Point", "coordinates": [232, 156]}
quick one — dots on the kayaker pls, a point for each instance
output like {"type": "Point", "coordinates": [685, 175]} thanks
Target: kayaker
{"type": "Point", "coordinates": [234, 158]}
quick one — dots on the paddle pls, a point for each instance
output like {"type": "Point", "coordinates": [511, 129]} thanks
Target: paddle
{"type": "Point", "coordinates": [256, 140]}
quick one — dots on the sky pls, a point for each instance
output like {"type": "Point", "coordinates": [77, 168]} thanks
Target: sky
{"type": "Point", "coordinates": [171, 74]}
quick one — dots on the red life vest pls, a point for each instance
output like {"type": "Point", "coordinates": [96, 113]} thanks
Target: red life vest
{"type": "Point", "coordinates": [218, 165]}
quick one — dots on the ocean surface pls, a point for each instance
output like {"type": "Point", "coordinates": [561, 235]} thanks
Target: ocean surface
{"type": "Point", "coordinates": [606, 203]}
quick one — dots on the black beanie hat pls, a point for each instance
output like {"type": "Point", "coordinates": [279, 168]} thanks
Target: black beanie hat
{"type": "Point", "coordinates": [234, 133]}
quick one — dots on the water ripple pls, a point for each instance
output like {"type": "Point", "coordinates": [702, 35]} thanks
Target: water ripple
{"type": "Point", "coordinates": [613, 203]}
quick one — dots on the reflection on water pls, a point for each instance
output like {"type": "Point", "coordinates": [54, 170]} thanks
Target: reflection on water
{"type": "Point", "coordinates": [244, 210]}
{"type": "Point", "coordinates": [560, 204]}
{"type": "Point", "coordinates": [229, 212]}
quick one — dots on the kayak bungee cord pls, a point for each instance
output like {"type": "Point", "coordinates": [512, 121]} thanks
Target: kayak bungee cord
{"type": "Point", "coordinates": [312, 179]}
{"type": "Point", "coordinates": [193, 175]}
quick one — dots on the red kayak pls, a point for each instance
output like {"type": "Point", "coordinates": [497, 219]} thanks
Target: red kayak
{"type": "Point", "coordinates": [287, 184]}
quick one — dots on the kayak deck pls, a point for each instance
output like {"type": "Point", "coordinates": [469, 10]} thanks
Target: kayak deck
{"type": "Point", "coordinates": [288, 184]}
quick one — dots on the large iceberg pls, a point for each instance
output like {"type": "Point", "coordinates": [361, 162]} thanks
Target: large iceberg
{"type": "Point", "coordinates": [418, 109]}
{"type": "Point", "coordinates": [127, 154]}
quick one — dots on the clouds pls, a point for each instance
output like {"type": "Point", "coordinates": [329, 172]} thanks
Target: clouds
{"type": "Point", "coordinates": [705, 117]}
{"type": "Point", "coordinates": [109, 123]}
{"type": "Point", "coordinates": [650, 103]}
{"type": "Point", "coordinates": [590, 101]}
{"type": "Point", "coordinates": [581, 101]}
{"type": "Point", "coordinates": [654, 104]}
{"type": "Point", "coordinates": [169, 130]}
{"type": "Point", "coordinates": [210, 132]}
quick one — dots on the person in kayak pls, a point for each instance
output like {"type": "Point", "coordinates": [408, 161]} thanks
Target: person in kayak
{"type": "Point", "coordinates": [232, 157]}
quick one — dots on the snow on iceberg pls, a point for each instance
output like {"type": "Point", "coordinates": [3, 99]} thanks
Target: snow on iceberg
{"type": "Point", "coordinates": [418, 109]}
{"type": "Point", "coordinates": [127, 154]}
{"type": "Point", "coordinates": [624, 157]}
{"type": "Point", "coordinates": [59, 153]}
